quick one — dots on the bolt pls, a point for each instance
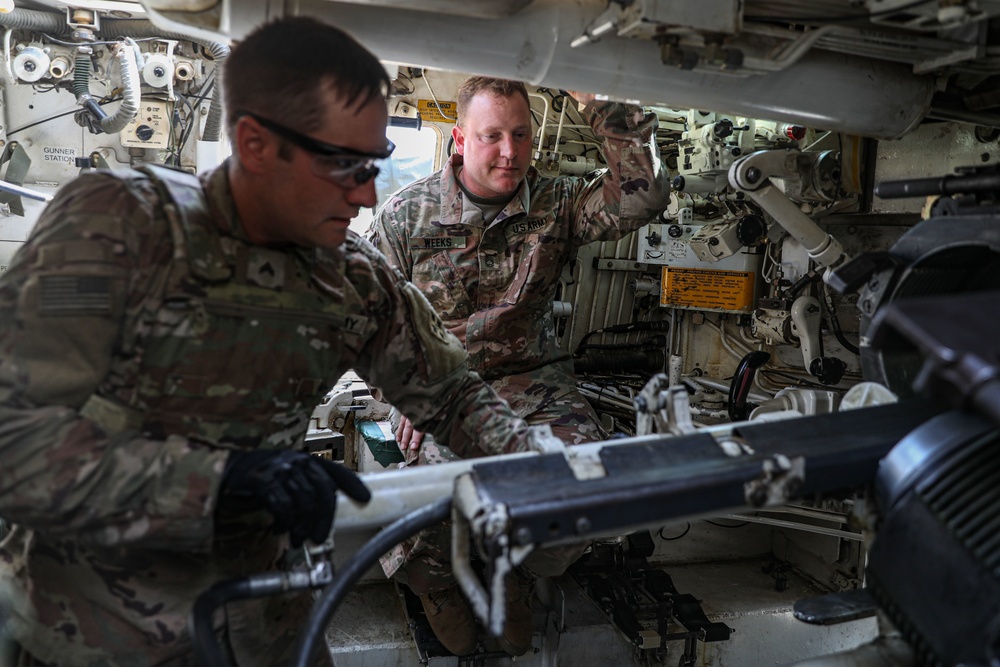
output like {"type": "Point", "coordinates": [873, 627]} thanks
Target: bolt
{"type": "Point", "coordinates": [582, 525]}
{"type": "Point", "coordinates": [753, 175]}
{"type": "Point", "coordinates": [29, 66]}
{"type": "Point", "coordinates": [523, 535]}
{"type": "Point", "coordinates": [159, 71]}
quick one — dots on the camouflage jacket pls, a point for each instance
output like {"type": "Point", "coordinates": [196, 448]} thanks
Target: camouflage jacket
{"type": "Point", "coordinates": [137, 348]}
{"type": "Point", "coordinates": [494, 285]}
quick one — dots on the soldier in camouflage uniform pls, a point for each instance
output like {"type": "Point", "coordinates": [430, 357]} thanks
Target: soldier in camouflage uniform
{"type": "Point", "coordinates": [163, 341]}
{"type": "Point", "coordinates": [486, 239]}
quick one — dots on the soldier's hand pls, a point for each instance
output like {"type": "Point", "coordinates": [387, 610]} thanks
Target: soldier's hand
{"type": "Point", "coordinates": [408, 438]}
{"type": "Point", "coordinates": [298, 489]}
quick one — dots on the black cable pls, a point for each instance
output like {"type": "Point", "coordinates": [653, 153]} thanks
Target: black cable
{"type": "Point", "coordinates": [671, 539]}
{"type": "Point", "coordinates": [413, 87]}
{"type": "Point", "coordinates": [365, 558]}
{"type": "Point", "coordinates": [193, 122]}
{"type": "Point", "coordinates": [51, 118]}
{"type": "Point", "coordinates": [835, 325]}
{"type": "Point", "coordinates": [799, 382]}
{"type": "Point", "coordinates": [630, 327]}
{"type": "Point", "coordinates": [722, 525]}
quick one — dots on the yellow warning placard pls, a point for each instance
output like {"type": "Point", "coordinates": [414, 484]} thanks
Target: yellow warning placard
{"type": "Point", "coordinates": [707, 289]}
{"type": "Point", "coordinates": [437, 112]}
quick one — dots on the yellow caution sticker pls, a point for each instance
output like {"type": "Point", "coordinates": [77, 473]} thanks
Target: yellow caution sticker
{"type": "Point", "coordinates": [707, 289]}
{"type": "Point", "coordinates": [437, 112]}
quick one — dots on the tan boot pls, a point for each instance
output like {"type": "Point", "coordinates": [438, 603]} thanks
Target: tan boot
{"type": "Point", "coordinates": [517, 631]}
{"type": "Point", "coordinates": [452, 620]}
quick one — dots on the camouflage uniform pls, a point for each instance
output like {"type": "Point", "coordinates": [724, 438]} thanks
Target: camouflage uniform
{"type": "Point", "coordinates": [494, 285]}
{"type": "Point", "coordinates": [138, 346]}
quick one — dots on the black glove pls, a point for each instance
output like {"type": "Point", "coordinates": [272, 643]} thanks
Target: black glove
{"type": "Point", "coordinates": [298, 489]}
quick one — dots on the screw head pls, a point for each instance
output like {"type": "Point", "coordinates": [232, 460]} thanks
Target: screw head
{"type": "Point", "coordinates": [753, 175]}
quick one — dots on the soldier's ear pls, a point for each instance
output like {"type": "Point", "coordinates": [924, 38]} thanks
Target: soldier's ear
{"type": "Point", "coordinates": [255, 146]}
{"type": "Point", "coordinates": [459, 136]}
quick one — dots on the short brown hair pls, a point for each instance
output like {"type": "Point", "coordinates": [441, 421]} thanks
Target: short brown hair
{"type": "Point", "coordinates": [283, 70]}
{"type": "Point", "coordinates": [480, 84]}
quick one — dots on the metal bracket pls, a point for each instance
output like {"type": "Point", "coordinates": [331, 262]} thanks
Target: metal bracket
{"type": "Point", "coordinates": [663, 409]}
{"type": "Point", "coordinates": [18, 163]}
{"type": "Point", "coordinates": [490, 525]}
{"type": "Point", "coordinates": [751, 174]}
{"type": "Point", "coordinates": [781, 478]}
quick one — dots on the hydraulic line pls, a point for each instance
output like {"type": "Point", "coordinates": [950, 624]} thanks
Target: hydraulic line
{"type": "Point", "coordinates": [207, 650]}
{"type": "Point", "coordinates": [365, 558]}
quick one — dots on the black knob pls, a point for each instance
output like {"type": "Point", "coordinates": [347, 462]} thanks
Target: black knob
{"type": "Point", "coordinates": [675, 231]}
{"type": "Point", "coordinates": [750, 229]}
{"type": "Point", "coordinates": [723, 128]}
{"type": "Point", "coordinates": [144, 132]}
{"type": "Point", "coordinates": [654, 238]}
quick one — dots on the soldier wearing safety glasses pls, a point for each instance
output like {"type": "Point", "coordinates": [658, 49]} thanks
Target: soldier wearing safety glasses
{"type": "Point", "coordinates": [163, 342]}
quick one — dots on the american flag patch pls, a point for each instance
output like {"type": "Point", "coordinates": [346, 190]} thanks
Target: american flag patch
{"type": "Point", "coordinates": [75, 295]}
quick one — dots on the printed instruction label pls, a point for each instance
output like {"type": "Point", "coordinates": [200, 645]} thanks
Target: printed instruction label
{"type": "Point", "coordinates": [707, 289]}
{"type": "Point", "coordinates": [431, 113]}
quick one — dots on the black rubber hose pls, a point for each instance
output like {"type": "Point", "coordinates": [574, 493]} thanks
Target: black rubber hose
{"type": "Point", "coordinates": [49, 22]}
{"type": "Point", "coordinates": [835, 325]}
{"type": "Point", "coordinates": [742, 381]}
{"type": "Point", "coordinates": [206, 650]}
{"type": "Point", "coordinates": [365, 558]}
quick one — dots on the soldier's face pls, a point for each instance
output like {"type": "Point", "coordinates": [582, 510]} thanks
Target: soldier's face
{"type": "Point", "coordinates": [312, 210]}
{"type": "Point", "coordinates": [495, 144]}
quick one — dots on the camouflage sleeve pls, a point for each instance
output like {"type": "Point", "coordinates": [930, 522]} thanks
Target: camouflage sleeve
{"type": "Point", "coordinates": [385, 235]}
{"type": "Point", "coordinates": [422, 369]}
{"type": "Point", "coordinates": [64, 303]}
{"type": "Point", "coordinates": [636, 185]}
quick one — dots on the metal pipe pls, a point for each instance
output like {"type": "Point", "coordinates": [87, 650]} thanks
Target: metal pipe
{"type": "Point", "coordinates": [833, 532]}
{"type": "Point", "coordinates": [828, 90]}
{"type": "Point", "coordinates": [545, 116]}
{"type": "Point", "coordinates": [399, 492]}
{"type": "Point", "coordinates": [559, 128]}
{"type": "Point", "coordinates": [24, 192]}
